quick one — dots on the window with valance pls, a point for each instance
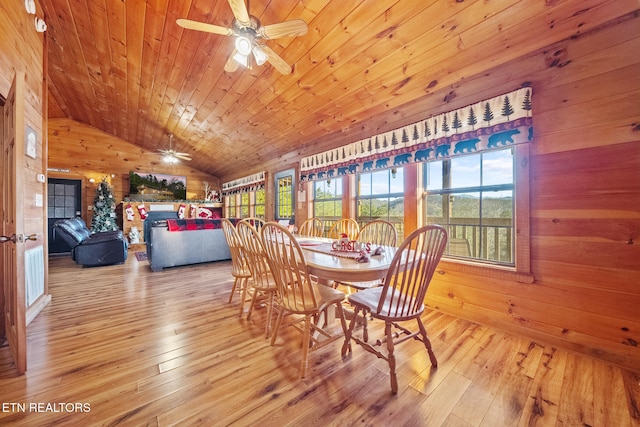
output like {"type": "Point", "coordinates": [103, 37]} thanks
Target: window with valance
{"type": "Point", "coordinates": [490, 124]}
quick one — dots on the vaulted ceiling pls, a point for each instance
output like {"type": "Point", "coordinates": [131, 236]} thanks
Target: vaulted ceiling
{"type": "Point", "coordinates": [364, 66]}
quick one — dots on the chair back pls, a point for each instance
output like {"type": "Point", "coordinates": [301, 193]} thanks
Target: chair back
{"type": "Point", "coordinates": [289, 269]}
{"type": "Point", "coordinates": [348, 226]}
{"type": "Point", "coordinates": [254, 254]}
{"type": "Point", "coordinates": [238, 263]}
{"type": "Point", "coordinates": [410, 273]}
{"type": "Point", "coordinates": [378, 232]}
{"type": "Point", "coordinates": [256, 222]}
{"type": "Point", "coordinates": [311, 227]}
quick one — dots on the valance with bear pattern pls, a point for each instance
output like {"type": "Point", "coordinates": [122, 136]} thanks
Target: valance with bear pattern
{"type": "Point", "coordinates": [494, 123]}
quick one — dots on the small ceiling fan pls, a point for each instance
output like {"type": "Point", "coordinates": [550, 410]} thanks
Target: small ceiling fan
{"type": "Point", "coordinates": [172, 156]}
{"type": "Point", "coordinates": [250, 34]}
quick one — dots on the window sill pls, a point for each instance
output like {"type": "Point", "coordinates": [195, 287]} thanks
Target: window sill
{"type": "Point", "coordinates": [486, 270]}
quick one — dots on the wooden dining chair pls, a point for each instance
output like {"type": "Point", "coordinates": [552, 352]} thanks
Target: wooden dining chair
{"type": "Point", "coordinates": [256, 222]}
{"type": "Point", "coordinates": [401, 298]}
{"type": "Point", "coordinates": [311, 228]}
{"type": "Point", "coordinates": [344, 225]}
{"type": "Point", "coordinates": [379, 233]}
{"type": "Point", "coordinates": [239, 268]}
{"type": "Point", "coordinates": [261, 286]}
{"type": "Point", "coordinates": [299, 294]}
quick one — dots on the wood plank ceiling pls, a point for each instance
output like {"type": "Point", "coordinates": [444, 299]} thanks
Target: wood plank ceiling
{"type": "Point", "coordinates": [126, 68]}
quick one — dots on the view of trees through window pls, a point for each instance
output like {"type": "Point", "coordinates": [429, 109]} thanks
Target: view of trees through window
{"type": "Point", "coordinates": [327, 201]}
{"type": "Point", "coordinates": [380, 195]}
{"type": "Point", "coordinates": [473, 196]}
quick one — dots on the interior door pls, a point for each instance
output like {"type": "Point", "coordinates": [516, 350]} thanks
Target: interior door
{"type": "Point", "coordinates": [13, 301]}
{"type": "Point", "coordinates": [64, 201]}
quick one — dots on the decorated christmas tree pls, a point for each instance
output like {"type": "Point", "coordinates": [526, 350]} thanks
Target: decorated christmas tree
{"type": "Point", "coordinates": [104, 209]}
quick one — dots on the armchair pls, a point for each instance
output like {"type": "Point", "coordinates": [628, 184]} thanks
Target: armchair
{"type": "Point", "coordinates": [91, 250]}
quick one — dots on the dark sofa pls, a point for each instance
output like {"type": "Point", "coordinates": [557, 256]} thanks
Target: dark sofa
{"type": "Point", "coordinates": [91, 250]}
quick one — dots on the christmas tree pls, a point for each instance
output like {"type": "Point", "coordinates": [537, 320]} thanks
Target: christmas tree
{"type": "Point", "coordinates": [104, 209]}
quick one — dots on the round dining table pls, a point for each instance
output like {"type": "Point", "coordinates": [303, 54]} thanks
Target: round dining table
{"type": "Point", "coordinates": [330, 265]}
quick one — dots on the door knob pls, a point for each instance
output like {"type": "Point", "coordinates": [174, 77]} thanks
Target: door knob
{"type": "Point", "coordinates": [11, 238]}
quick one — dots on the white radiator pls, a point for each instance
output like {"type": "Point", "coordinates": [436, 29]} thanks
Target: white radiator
{"type": "Point", "coordinates": [34, 273]}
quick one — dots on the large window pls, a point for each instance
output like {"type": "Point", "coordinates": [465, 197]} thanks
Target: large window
{"type": "Point", "coordinates": [473, 197]}
{"type": "Point", "coordinates": [380, 195]}
{"type": "Point", "coordinates": [327, 201]}
{"type": "Point", "coordinates": [246, 204]}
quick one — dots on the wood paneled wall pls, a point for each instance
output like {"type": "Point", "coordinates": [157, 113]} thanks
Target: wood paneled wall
{"type": "Point", "coordinates": [22, 48]}
{"type": "Point", "coordinates": [88, 153]}
{"type": "Point", "coordinates": [585, 202]}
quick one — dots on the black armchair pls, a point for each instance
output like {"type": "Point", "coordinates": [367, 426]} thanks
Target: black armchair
{"type": "Point", "coordinates": [91, 250]}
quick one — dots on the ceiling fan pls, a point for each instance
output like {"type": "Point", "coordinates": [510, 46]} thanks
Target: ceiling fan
{"type": "Point", "coordinates": [250, 34]}
{"type": "Point", "coordinates": [172, 156]}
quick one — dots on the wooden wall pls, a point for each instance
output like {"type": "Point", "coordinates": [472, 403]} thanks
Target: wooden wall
{"type": "Point", "coordinates": [88, 153]}
{"type": "Point", "coordinates": [21, 49]}
{"type": "Point", "coordinates": [585, 202]}
{"type": "Point", "coordinates": [584, 195]}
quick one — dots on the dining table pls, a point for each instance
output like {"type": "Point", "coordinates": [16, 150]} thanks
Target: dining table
{"type": "Point", "coordinates": [329, 264]}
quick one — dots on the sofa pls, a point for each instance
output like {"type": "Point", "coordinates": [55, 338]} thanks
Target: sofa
{"type": "Point", "coordinates": [197, 240]}
{"type": "Point", "coordinates": [91, 250]}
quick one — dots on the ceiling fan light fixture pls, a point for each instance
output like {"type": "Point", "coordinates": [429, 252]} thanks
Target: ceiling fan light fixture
{"type": "Point", "coordinates": [243, 45]}
{"type": "Point", "coordinates": [260, 55]}
{"type": "Point", "coordinates": [241, 59]}
{"type": "Point", "coordinates": [170, 159]}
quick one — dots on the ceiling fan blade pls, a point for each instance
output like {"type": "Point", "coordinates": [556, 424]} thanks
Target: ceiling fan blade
{"type": "Point", "coordinates": [275, 60]}
{"type": "Point", "coordinates": [183, 156]}
{"type": "Point", "coordinates": [207, 28]}
{"type": "Point", "coordinates": [240, 11]}
{"type": "Point", "coordinates": [231, 65]}
{"type": "Point", "coordinates": [293, 28]}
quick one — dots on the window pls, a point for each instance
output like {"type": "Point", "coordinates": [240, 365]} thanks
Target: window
{"type": "Point", "coordinates": [285, 186]}
{"type": "Point", "coordinates": [380, 195]}
{"type": "Point", "coordinates": [327, 201]}
{"type": "Point", "coordinates": [244, 205]}
{"type": "Point", "coordinates": [230, 203]}
{"type": "Point", "coordinates": [473, 196]}
{"type": "Point", "coordinates": [258, 208]}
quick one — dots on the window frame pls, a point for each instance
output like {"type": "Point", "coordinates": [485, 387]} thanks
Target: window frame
{"type": "Point", "coordinates": [521, 270]}
{"type": "Point", "coordinates": [279, 195]}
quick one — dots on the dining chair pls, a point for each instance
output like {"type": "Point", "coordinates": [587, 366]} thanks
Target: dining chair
{"type": "Point", "coordinates": [401, 297]}
{"type": "Point", "coordinates": [261, 286]}
{"type": "Point", "coordinates": [299, 294]}
{"type": "Point", "coordinates": [379, 233]}
{"type": "Point", "coordinates": [239, 268]}
{"type": "Point", "coordinates": [256, 222]}
{"type": "Point", "coordinates": [311, 228]}
{"type": "Point", "coordinates": [347, 226]}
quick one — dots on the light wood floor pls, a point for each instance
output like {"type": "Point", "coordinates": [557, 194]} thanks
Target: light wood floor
{"type": "Point", "coordinates": [132, 347]}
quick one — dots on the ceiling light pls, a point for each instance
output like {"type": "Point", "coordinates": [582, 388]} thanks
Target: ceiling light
{"type": "Point", "coordinates": [243, 45]}
{"type": "Point", "coordinates": [170, 159]}
{"type": "Point", "coordinates": [241, 59]}
{"type": "Point", "coordinates": [260, 55]}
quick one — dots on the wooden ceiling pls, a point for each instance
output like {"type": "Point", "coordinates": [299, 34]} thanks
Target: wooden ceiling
{"type": "Point", "coordinates": [364, 66]}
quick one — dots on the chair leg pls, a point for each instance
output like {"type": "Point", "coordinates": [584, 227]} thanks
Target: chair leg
{"type": "Point", "coordinates": [306, 339]}
{"type": "Point", "coordinates": [427, 343]}
{"type": "Point", "coordinates": [253, 303]}
{"type": "Point", "coordinates": [233, 289]}
{"type": "Point", "coordinates": [274, 336]}
{"type": "Point", "coordinates": [346, 347]}
{"type": "Point", "coordinates": [391, 358]}
{"type": "Point", "coordinates": [244, 285]}
{"type": "Point", "coordinates": [267, 326]}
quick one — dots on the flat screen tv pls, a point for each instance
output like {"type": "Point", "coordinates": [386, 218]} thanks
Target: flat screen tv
{"type": "Point", "coordinates": [154, 186]}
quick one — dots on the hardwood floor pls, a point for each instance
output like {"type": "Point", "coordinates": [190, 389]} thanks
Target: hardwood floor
{"type": "Point", "coordinates": [121, 345]}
